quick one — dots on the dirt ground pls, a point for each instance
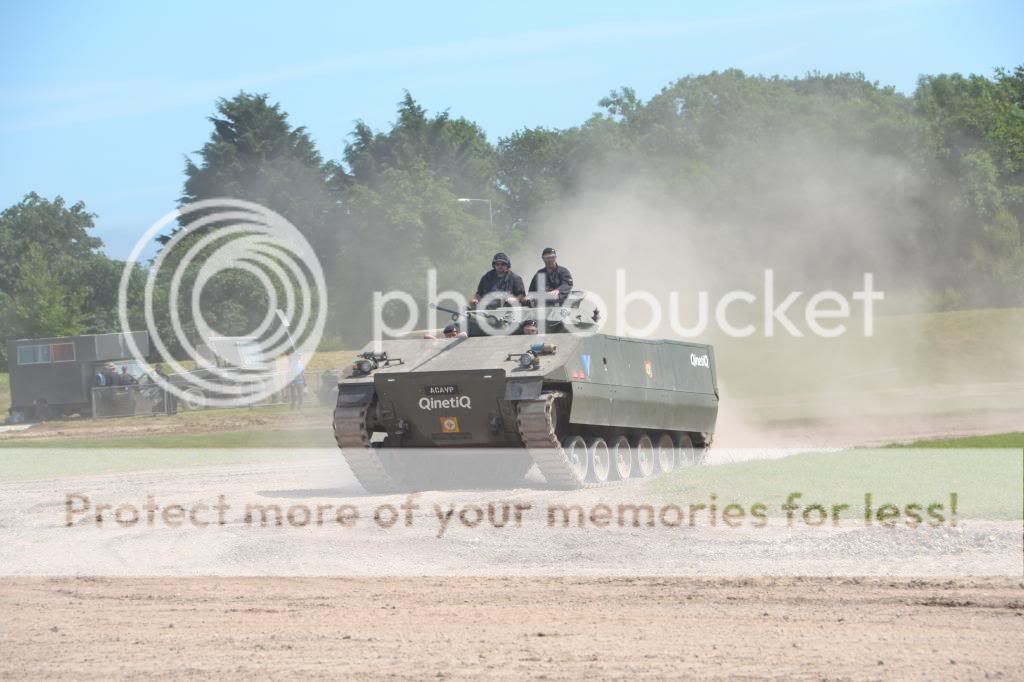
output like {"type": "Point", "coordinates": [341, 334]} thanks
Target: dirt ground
{"type": "Point", "coordinates": [470, 627]}
{"type": "Point", "coordinates": [512, 628]}
{"type": "Point", "coordinates": [473, 626]}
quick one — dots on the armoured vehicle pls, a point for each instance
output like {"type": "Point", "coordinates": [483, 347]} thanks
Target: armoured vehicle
{"type": "Point", "coordinates": [587, 408]}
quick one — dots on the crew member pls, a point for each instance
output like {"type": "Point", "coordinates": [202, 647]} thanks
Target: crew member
{"type": "Point", "coordinates": [554, 280]}
{"type": "Point", "coordinates": [501, 279]}
{"type": "Point", "coordinates": [451, 331]}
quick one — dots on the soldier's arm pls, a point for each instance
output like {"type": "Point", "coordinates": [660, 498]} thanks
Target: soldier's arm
{"type": "Point", "coordinates": [533, 281]}
{"type": "Point", "coordinates": [566, 286]}
{"type": "Point", "coordinates": [518, 290]}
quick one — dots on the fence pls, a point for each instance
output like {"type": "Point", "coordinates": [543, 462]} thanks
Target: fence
{"type": "Point", "coordinates": [130, 401]}
{"type": "Point", "coordinates": [147, 400]}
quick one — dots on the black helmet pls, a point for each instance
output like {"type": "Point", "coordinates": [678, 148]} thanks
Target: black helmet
{"type": "Point", "coordinates": [548, 252]}
{"type": "Point", "coordinates": [501, 258]}
{"type": "Point", "coordinates": [451, 329]}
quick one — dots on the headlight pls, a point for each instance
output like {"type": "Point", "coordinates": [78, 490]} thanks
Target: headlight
{"type": "Point", "coordinates": [365, 366]}
{"type": "Point", "coordinates": [526, 360]}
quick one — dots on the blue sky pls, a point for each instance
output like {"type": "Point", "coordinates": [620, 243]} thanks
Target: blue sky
{"type": "Point", "coordinates": [101, 101]}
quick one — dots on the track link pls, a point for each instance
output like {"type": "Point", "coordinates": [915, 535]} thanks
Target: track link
{"type": "Point", "coordinates": [537, 425]}
{"type": "Point", "coordinates": [351, 431]}
{"type": "Point", "coordinates": [537, 428]}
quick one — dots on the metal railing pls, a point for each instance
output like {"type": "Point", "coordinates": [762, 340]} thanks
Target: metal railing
{"type": "Point", "coordinates": [147, 400]}
{"type": "Point", "coordinates": [142, 400]}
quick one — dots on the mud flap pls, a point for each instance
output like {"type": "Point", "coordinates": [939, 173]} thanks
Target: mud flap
{"type": "Point", "coordinates": [355, 394]}
{"type": "Point", "coordinates": [524, 389]}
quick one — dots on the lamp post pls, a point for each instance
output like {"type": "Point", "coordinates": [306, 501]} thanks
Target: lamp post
{"type": "Point", "coordinates": [490, 207]}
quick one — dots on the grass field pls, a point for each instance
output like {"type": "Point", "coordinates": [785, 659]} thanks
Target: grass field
{"type": "Point", "coordinates": [31, 464]}
{"type": "Point", "coordinates": [987, 473]}
{"type": "Point", "coordinates": [992, 483]}
{"type": "Point", "coordinates": [1003, 440]}
{"type": "Point", "coordinates": [960, 347]}
{"type": "Point", "coordinates": [282, 439]}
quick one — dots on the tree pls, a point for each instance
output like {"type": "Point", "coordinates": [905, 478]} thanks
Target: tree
{"type": "Point", "coordinates": [455, 151]}
{"type": "Point", "coordinates": [533, 170]}
{"type": "Point", "coordinates": [255, 154]}
{"type": "Point", "coordinates": [54, 279]}
{"type": "Point", "coordinates": [976, 128]}
{"type": "Point", "coordinates": [57, 229]}
{"type": "Point", "coordinates": [39, 302]}
{"type": "Point", "coordinates": [401, 198]}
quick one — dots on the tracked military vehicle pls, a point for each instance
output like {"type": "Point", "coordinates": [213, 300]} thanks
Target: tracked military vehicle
{"type": "Point", "coordinates": [586, 408]}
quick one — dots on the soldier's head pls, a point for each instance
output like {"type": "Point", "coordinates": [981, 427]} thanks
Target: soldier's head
{"type": "Point", "coordinates": [530, 327]}
{"type": "Point", "coordinates": [451, 331]}
{"type": "Point", "coordinates": [550, 258]}
{"type": "Point", "coordinates": [501, 263]}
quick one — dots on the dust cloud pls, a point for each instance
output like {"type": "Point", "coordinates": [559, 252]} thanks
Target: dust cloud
{"type": "Point", "coordinates": [819, 217]}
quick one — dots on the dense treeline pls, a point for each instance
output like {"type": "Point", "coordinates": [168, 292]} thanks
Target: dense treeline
{"type": "Point", "coordinates": [827, 175]}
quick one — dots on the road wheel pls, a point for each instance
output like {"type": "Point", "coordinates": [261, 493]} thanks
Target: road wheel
{"type": "Point", "coordinates": [600, 460]}
{"type": "Point", "coordinates": [701, 450]}
{"type": "Point", "coordinates": [193, 399]}
{"type": "Point", "coordinates": [646, 457]}
{"type": "Point", "coordinates": [684, 450]}
{"type": "Point", "coordinates": [666, 453]}
{"type": "Point", "coordinates": [576, 450]}
{"type": "Point", "coordinates": [622, 458]}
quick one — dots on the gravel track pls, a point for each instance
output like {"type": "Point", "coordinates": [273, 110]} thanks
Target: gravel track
{"type": "Point", "coordinates": [512, 628]}
{"type": "Point", "coordinates": [470, 618]}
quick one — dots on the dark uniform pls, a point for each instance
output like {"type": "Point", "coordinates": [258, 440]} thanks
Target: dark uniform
{"type": "Point", "coordinates": [560, 278]}
{"type": "Point", "coordinates": [510, 285]}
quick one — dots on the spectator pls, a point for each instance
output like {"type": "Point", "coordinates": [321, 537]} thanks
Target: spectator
{"type": "Point", "coordinates": [297, 386]}
{"type": "Point", "coordinates": [328, 388]}
{"type": "Point", "coordinates": [168, 399]}
{"type": "Point", "coordinates": [126, 379]}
